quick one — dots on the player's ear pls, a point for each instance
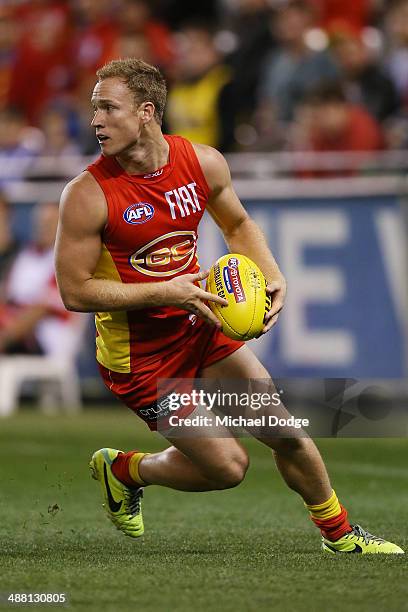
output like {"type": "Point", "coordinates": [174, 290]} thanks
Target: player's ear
{"type": "Point", "coordinates": [147, 111]}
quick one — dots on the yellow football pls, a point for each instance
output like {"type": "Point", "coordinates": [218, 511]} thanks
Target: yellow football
{"type": "Point", "coordinates": [237, 279]}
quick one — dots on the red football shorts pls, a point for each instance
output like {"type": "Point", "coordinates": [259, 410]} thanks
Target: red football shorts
{"type": "Point", "coordinates": [203, 346]}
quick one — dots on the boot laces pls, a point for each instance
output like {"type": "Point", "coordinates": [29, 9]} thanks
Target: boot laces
{"type": "Point", "coordinates": [362, 533]}
{"type": "Point", "coordinates": [134, 500]}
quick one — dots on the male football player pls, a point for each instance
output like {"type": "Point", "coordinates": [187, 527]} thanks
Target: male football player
{"type": "Point", "coordinates": [126, 249]}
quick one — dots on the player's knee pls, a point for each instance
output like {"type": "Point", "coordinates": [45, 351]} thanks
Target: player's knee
{"type": "Point", "coordinates": [232, 472]}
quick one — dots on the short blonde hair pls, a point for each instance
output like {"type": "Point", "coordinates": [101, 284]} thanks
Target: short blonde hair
{"type": "Point", "coordinates": [146, 82]}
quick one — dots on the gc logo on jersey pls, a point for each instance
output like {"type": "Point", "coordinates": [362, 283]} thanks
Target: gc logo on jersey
{"type": "Point", "coordinates": [138, 213]}
{"type": "Point", "coordinates": [166, 255]}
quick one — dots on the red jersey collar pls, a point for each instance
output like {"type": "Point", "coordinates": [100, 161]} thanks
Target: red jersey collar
{"type": "Point", "coordinates": [151, 177]}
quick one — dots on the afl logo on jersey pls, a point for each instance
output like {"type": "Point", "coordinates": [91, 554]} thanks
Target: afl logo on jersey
{"type": "Point", "coordinates": [138, 213]}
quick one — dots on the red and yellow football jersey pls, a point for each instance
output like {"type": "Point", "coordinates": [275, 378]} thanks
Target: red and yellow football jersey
{"type": "Point", "coordinates": [150, 236]}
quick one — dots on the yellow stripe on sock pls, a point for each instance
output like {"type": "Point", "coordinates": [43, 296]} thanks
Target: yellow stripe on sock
{"type": "Point", "coordinates": [327, 509]}
{"type": "Point", "coordinates": [134, 468]}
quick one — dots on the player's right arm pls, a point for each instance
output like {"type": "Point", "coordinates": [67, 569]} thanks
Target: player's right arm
{"type": "Point", "coordinates": [83, 216]}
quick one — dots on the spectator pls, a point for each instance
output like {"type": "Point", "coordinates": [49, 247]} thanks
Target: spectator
{"type": "Point", "coordinates": [193, 103]}
{"type": "Point", "coordinates": [19, 145]}
{"type": "Point", "coordinates": [135, 20]}
{"type": "Point", "coordinates": [96, 36]}
{"type": "Point", "coordinates": [58, 143]}
{"type": "Point", "coordinates": [33, 318]}
{"type": "Point", "coordinates": [397, 57]}
{"type": "Point", "coordinates": [94, 42]}
{"type": "Point", "coordinates": [175, 12]}
{"type": "Point", "coordinates": [365, 82]}
{"type": "Point", "coordinates": [251, 38]}
{"type": "Point", "coordinates": [134, 45]}
{"type": "Point", "coordinates": [42, 57]}
{"type": "Point", "coordinates": [82, 116]}
{"type": "Point", "coordinates": [62, 153]}
{"type": "Point", "coordinates": [326, 121]}
{"type": "Point", "coordinates": [293, 69]}
{"type": "Point", "coordinates": [355, 14]}
{"type": "Point", "coordinates": [8, 243]}
{"type": "Point", "coordinates": [8, 36]}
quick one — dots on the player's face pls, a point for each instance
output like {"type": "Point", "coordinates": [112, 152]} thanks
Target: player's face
{"type": "Point", "coordinates": [117, 118]}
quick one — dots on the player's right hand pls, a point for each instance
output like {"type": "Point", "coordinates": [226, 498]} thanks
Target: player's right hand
{"type": "Point", "coordinates": [183, 292]}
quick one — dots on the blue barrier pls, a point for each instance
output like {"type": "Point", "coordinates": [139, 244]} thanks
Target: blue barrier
{"type": "Point", "coordinates": [345, 262]}
{"type": "Point", "coordinates": [346, 311]}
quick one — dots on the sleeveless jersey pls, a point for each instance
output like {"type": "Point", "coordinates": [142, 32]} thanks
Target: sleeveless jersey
{"type": "Point", "coordinates": [150, 236]}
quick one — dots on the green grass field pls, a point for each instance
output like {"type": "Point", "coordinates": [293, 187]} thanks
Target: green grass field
{"type": "Point", "coordinates": [250, 548]}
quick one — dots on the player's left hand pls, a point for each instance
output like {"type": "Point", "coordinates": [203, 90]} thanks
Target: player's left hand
{"type": "Point", "coordinates": [277, 290]}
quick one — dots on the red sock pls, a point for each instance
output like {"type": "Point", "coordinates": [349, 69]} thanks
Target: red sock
{"type": "Point", "coordinates": [334, 528]}
{"type": "Point", "coordinates": [120, 469]}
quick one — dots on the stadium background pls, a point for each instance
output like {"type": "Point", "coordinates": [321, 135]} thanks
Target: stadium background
{"type": "Point", "coordinates": [332, 202]}
{"type": "Point", "coordinates": [335, 220]}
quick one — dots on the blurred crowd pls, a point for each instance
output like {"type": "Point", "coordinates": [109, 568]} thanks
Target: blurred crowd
{"type": "Point", "coordinates": [33, 319]}
{"type": "Point", "coordinates": [243, 75]}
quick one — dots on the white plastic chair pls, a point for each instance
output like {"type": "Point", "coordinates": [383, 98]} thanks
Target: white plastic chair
{"type": "Point", "coordinates": [57, 374]}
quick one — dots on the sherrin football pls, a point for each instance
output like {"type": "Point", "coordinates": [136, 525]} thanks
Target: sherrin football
{"type": "Point", "coordinates": [238, 279]}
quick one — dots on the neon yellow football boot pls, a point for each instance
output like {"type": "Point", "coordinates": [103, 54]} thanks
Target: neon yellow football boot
{"type": "Point", "coordinates": [360, 541]}
{"type": "Point", "coordinates": [123, 504]}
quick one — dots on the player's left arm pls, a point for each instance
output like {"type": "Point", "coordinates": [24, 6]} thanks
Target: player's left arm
{"type": "Point", "coordinates": [241, 233]}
